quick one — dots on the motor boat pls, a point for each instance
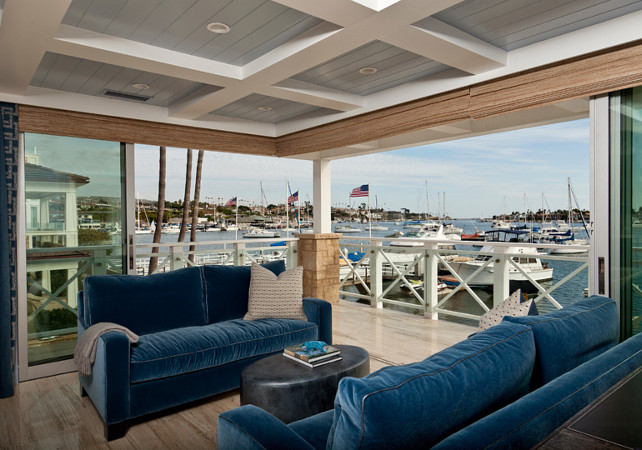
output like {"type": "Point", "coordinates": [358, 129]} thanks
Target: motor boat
{"type": "Point", "coordinates": [258, 233]}
{"type": "Point", "coordinates": [527, 258]}
{"type": "Point", "coordinates": [414, 238]}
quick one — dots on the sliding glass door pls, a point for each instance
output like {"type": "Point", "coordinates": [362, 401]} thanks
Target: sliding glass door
{"type": "Point", "coordinates": [626, 211]}
{"type": "Point", "coordinates": [74, 210]}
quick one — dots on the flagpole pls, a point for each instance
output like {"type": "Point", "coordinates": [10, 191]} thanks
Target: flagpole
{"type": "Point", "coordinates": [298, 212]}
{"type": "Point", "coordinates": [369, 213]}
{"type": "Point", "coordinates": [287, 210]}
{"type": "Point", "coordinates": [236, 232]}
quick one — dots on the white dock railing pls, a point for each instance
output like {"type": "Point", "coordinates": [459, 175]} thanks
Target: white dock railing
{"type": "Point", "coordinates": [374, 262]}
{"type": "Point", "coordinates": [176, 255]}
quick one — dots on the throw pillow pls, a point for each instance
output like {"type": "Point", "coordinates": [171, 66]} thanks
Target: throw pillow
{"type": "Point", "coordinates": [275, 297]}
{"type": "Point", "coordinates": [512, 306]}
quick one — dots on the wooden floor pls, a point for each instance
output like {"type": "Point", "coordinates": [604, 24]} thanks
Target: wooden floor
{"type": "Point", "coordinates": [50, 414]}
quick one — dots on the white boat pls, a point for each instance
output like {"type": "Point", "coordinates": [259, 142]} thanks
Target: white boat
{"type": "Point", "coordinates": [415, 238]}
{"type": "Point", "coordinates": [347, 229]}
{"type": "Point", "coordinates": [377, 227]}
{"type": "Point", "coordinates": [171, 229]}
{"type": "Point", "coordinates": [450, 228]}
{"type": "Point", "coordinates": [257, 233]}
{"type": "Point", "coordinates": [529, 260]}
{"type": "Point", "coordinates": [500, 225]}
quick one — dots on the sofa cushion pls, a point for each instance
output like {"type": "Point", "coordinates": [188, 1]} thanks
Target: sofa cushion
{"type": "Point", "coordinates": [566, 338]}
{"type": "Point", "coordinates": [146, 304]}
{"type": "Point", "coordinates": [275, 296]}
{"type": "Point", "coordinates": [182, 350]}
{"type": "Point", "coordinates": [417, 405]}
{"type": "Point", "coordinates": [226, 290]}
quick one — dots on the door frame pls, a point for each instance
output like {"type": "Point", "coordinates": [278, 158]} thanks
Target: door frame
{"type": "Point", "coordinates": [25, 372]}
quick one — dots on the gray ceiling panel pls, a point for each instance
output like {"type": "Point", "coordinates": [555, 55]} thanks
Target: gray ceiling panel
{"type": "Point", "coordinates": [258, 26]}
{"type": "Point", "coordinates": [130, 15]}
{"type": "Point", "coordinates": [248, 108]}
{"type": "Point", "coordinates": [394, 67]}
{"type": "Point", "coordinates": [512, 24]}
{"type": "Point", "coordinates": [93, 78]}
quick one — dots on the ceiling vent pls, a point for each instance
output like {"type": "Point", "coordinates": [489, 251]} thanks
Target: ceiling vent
{"type": "Point", "coordinates": [125, 95]}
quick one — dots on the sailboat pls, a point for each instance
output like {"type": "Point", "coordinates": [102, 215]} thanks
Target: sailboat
{"type": "Point", "coordinates": [139, 228]}
{"type": "Point", "coordinates": [376, 226]}
{"type": "Point", "coordinates": [568, 242]}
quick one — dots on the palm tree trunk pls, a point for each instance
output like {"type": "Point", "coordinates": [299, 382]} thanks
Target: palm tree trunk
{"type": "Point", "coordinates": [197, 194]}
{"type": "Point", "coordinates": [188, 186]}
{"type": "Point", "coordinates": [162, 163]}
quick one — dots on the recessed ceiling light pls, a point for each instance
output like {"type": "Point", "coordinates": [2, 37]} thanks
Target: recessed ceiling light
{"type": "Point", "coordinates": [218, 28]}
{"type": "Point", "coordinates": [367, 70]}
{"type": "Point", "coordinates": [140, 86]}
{"type": "Point", "coordinates": [265, 108]}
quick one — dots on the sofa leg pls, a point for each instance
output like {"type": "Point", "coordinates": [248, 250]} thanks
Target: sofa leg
{"type": "Point", "coordinates": [83, 392]}
{"type": "Point", "coordinates": [115, 430]}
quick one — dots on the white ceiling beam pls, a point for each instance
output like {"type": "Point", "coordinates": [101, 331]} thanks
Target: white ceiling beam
{"type": "Point", "coordinates": [25, 32]}
{"type": "Point", "coordinates": [448, 45]}
{"type": "Point", "coordinates": [107, 49]}
{"type": "Point", "coordinates": [204, 101]}
{"type": "Point", "coordinates": [312, 94]}
{"type": "Point", "coordinates": [340, 12]}
{"type": "Point", "coordinates": [308, 50]}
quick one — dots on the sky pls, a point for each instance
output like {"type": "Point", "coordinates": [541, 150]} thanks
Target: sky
{"type": "Point", "coordinates": [478, 175]}
{"type": "Point", "coordinates": [474, 174]}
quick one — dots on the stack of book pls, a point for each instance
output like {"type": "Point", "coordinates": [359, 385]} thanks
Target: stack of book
{"type": "Point", "coordinates": [313, 356]}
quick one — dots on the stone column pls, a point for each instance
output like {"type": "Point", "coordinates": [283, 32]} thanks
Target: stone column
{"type": "Point", "coordinates": [319, 256]}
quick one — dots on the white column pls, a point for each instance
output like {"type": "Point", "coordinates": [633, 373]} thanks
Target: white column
{"type": "Point", "coordinates": [501, 277]}
{"type": "Point", "coordinates": [431, 270]}
{"type": "Point", "coordinates": [71, 219]}
{"type": "Point", "coordinates": [376, 275]}
{"type": "Point", "coordinates": [321, 196]}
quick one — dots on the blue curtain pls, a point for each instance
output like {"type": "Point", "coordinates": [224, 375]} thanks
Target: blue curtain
{"type": "Point", "coordinates": [8, 239]}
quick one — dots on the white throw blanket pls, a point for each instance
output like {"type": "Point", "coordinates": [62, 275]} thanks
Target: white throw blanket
{"type": "Point", "coordinates": [85, 353]}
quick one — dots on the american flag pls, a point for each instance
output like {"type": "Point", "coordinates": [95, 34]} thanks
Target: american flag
{"type": "Point", "coordinates": [231, 202]}
{"type": "Point", "coordinates": [361, 191]}
{"type": "Point", "coordinates": [293, 198]}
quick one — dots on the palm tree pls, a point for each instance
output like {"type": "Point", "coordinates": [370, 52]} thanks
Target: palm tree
{"type": "Point", "coordinates": [162, 163]}
{"type": "Point", "coordinates": [197, 194]}
{"type": "Point", "coordinates": [188, 186]}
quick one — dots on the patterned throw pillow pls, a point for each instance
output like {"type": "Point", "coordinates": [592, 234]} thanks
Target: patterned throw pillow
{"type": "Point", "coordinates": [275, 297]}
{"type": "Point", "coordinates": [512, 306]}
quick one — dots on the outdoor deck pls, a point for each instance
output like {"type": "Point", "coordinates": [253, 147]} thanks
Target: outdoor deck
{"type": "Point", "coordinates": [50, 414]}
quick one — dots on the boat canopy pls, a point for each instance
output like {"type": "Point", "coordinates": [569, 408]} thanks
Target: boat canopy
{"type": "Point", "coordinates": [502, 235]}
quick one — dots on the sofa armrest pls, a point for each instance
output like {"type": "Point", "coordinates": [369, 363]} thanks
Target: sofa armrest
{"type": "Point", "coordinates": [320, 312]}
{"type": "Point", "coordinates": [108, 383]}
{"type": "Point", "coordinates": [250, 427]}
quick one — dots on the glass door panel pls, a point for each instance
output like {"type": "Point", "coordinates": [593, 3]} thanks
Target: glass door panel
{"type": "Point", "coordinates": [626, 129]}
{"type": "Point", "coordinates": [74, 225]}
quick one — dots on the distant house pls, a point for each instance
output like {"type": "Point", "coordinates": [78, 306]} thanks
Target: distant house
{"type": "Point", "coordinates": [51, 222]}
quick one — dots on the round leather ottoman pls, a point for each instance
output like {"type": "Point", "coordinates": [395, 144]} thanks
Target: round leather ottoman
{"type": "Point", "coordinates": [291, 391]}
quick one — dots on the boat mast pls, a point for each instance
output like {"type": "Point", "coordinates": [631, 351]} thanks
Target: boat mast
{"type": "Point", "coordinates": [427, 202]}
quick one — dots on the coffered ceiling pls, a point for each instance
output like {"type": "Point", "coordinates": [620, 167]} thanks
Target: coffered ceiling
{"type": "Point", "coordinates": [284, 65]}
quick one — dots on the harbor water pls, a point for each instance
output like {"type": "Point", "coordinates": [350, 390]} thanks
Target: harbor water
{"type": "Point", "coordinates": [568, 293]}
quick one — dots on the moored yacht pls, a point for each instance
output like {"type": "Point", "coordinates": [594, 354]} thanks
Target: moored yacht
{"type": "Point", "coordinates": [527, 258]}
{"type": "Point", "coordinates": [414, 238]}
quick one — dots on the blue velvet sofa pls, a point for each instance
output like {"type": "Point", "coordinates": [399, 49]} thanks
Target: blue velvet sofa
{"type": "Point", "coordinates": [509, 386]}
{"type": "Point", "coordinates": [193, 341]}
